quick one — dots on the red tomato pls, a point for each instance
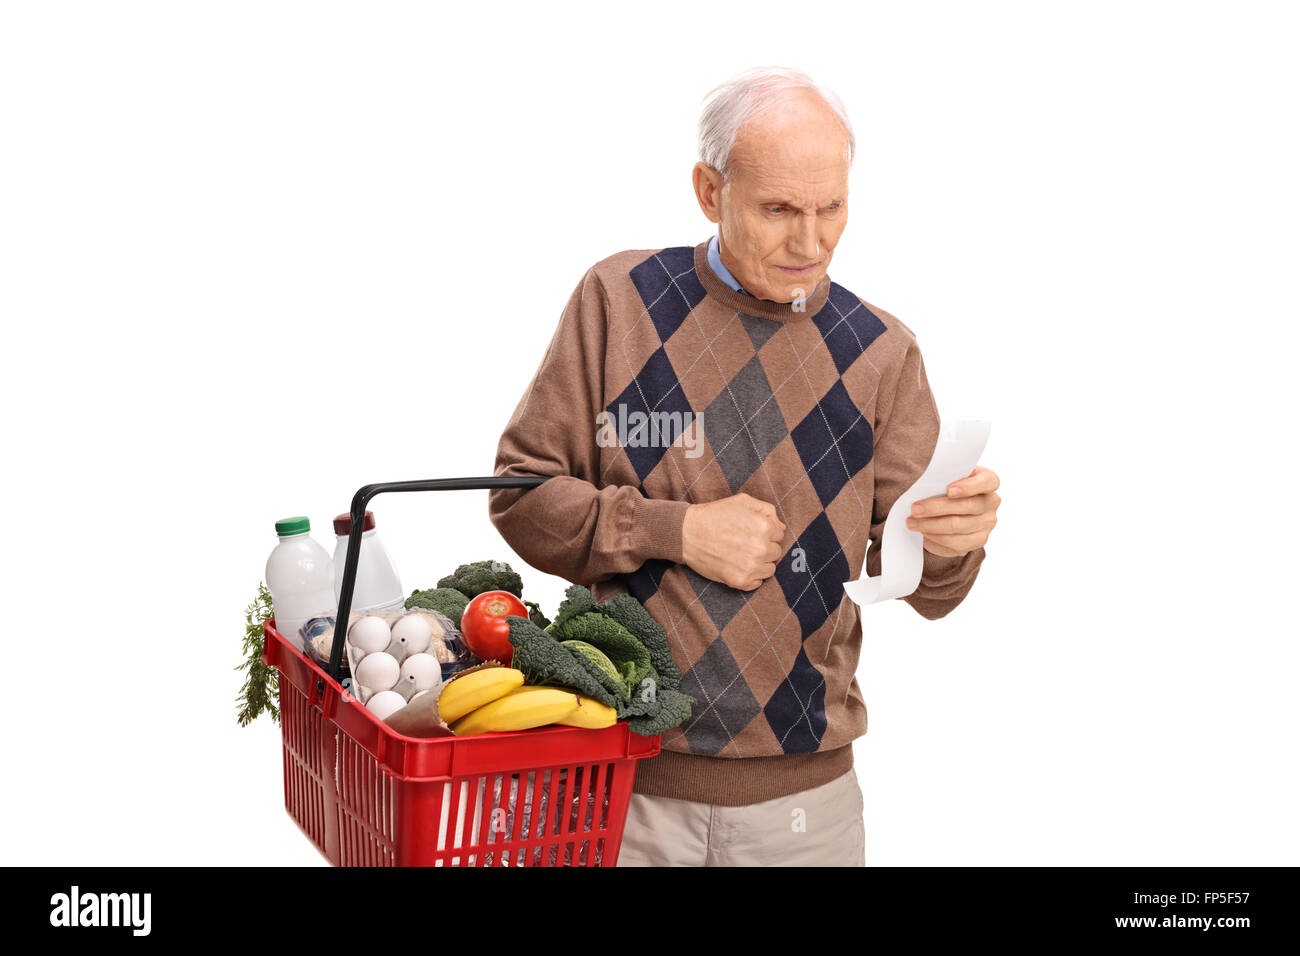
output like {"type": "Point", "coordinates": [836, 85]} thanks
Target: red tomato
{"type": "Point", "coordinates": [484, 625]}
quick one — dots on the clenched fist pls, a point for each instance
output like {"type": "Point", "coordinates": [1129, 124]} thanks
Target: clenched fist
{"type": "Point", "coordinates": [734, 541]}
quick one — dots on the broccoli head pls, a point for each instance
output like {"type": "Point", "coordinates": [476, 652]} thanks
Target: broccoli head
{"type": "Point", "coordinates": [448, 602]}
{"type": "Point", "coordinates": [473, 579]}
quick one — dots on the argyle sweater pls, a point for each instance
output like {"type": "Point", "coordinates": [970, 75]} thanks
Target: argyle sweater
{"type": "Point", "coordinates": [663, 387]}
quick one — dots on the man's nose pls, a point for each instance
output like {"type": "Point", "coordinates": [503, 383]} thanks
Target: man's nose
{"type": "Point", "coordinates": [803, 241]}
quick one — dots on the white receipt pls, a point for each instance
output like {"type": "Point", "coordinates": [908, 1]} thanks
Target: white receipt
{"type": "Point", "coordinates": [901, 550]}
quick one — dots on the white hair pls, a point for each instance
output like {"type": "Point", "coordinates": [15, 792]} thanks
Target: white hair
{"type": "Point", "coordinates": [729, 106]}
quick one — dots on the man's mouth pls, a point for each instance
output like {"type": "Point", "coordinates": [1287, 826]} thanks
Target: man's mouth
{"type": "Point", "coordinates": [799, 270]}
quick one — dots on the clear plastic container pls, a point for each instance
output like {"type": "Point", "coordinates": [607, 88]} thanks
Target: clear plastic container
{"type": "Point", "coordinates": [378, 588]}
{"type": "Point", "coordinates": [300, 575]}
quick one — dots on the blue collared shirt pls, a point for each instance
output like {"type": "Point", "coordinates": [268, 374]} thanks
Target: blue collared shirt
{"type": "Point", "coordinates": [723, 273]}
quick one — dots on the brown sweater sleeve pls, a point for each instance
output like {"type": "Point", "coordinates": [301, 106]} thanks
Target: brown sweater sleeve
{"type": "Point", "coordinates": [907, 430]}
{"type": "Point", "coordinates": [571, 526]}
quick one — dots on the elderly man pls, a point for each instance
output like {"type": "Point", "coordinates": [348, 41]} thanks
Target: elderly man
{"type": "Point", "coordinates": [726, 430]}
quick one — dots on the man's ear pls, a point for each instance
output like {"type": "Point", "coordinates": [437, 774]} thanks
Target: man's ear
{"type": "Point", "coordinates": [708, 190]}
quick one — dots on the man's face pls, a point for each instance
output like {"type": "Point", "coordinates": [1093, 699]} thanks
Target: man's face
{"type": "Point", "coordinates": [782, 210]}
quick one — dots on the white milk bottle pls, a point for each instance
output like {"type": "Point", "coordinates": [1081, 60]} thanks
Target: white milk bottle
{"type": "Point", "coordinates": [300, 574]}
{"type": "Point", "coordinates": [378, 587]}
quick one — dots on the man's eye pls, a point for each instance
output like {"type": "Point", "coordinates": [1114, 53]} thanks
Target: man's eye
{"type": "Point", "coordinates": [776, 210]}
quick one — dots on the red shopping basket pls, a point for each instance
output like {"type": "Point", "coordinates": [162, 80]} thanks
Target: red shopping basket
{"type": "Point", "coordinates": [368, 796]}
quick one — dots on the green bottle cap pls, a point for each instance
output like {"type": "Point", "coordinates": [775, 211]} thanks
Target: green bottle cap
{"type": "Point", "coordinates": [288, 526]}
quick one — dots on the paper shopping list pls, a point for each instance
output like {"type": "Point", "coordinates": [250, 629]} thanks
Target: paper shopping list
{"type": "Point", "coordinates": [902, 553]}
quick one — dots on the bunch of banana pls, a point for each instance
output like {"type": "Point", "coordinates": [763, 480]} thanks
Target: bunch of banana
{"type": "Point", "coordinates": [495, 699]}
{"type": "Point", "coordinates": [591, 714]}
{"type": "Point", "coordinates": [471, 691]}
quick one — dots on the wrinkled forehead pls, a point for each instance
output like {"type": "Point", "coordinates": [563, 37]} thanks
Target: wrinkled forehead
{"type": "Point", "coordinates": [809, 180]}
{"type": "Point", "coordinates": [800, 146]}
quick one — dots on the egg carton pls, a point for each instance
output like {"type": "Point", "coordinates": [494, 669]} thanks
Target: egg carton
{"type": "Point", "coordinates": [395, 657]}
{"type": "Point", "coordinates": [318, 637]}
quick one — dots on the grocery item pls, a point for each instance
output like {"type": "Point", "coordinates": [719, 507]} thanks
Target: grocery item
{"type": "Point", "coordinates": [667, 709]}
{"type": "Point", "coordinates": [413, 633]}
{"type": "Point", "coordinates": [420, 672]}
{"type": "Point", "coordinates": [579, 618]}
{"type": "Point", "coordinates": [597, 657]}
{"type": "Point", "coordinates": [377, 586]}
{"type": "Point", "coordinates": [473, 579]}
{"type": "Point", "coordinates": [261, 689]}
{"type": "Point", "coordinates": [419, 718]}
{"type": "Point", "coordinates": [632, 614]}
{"type": "Point", "coordinates": [484, 625]}
{"type": "Point", "coordinates": [300, 575]}
{"type": "Point", "coordinates": [535, 614]}
{"type": "Point", "coordinates": [446, 601]}
{"type": "Point", "coordinates": [473, 689]}
{"type": "Point", "coordinates": [370, 634]}
{"type": "Point", "coordinates": [545, 661]}
{"type": "Point", "coordinates": [316, 631]}
{"type": "Point", "coordinates": [521, 709]}
{"type": "Point", "coordinates": [401, 658]}
{"type": "Point", "coordinates": [378, 671]}
{"type": "Point", "coordinates": [445, 643]}
{"type": "Point", "coordinates": [452, 603]}
{"type": "Point", "coordinates": [321, 631]}
{"type": "Point", "coordinates": [386, 703]}
{"type": "Point", "coordinates": [444, 637]}
{"type": "Point", "coordinates": [468, 581]}
{"type": "Point", "coordinates": [591, 714]}
{"type": "Point", "coordinates": [655, 703]}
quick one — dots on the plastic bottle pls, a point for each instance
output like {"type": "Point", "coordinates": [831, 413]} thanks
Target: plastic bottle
{"type": "Point", "coordinates": [378, 587]}
{"type": "Point", "coordinates": [299, 573]}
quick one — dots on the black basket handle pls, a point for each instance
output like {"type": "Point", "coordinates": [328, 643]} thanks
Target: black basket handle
{"type": "Point", "coordinates": [359, 502]}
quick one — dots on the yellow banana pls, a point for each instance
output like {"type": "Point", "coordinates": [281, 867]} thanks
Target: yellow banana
{"type": "Point", "coordinates": [472, 691]}
{"type": "Point", "coordinates": [591, 714]}
{"type": "Point", "coordinates": [522, 708]}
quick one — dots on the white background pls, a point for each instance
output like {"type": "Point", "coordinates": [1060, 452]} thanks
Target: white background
{"type": "Point", "coordinates": [254, 255]}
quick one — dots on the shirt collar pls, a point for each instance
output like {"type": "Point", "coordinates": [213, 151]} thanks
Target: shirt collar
{"type": "Point", "coordinates": [721, 271]}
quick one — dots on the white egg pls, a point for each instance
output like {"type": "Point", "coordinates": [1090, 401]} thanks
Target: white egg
{"type": "Point", "coordinates": [370, 634]}
{"type": "Point", "coordinates": [419, 672]}
{"type": "Point", "coordinates": [378, 672]}
{"type": "Point", "coordinates": [386, 703]}
{"type": "Point", "coordinates": [414, 633]}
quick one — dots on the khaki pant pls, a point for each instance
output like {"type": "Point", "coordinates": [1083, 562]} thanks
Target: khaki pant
{"type": "Point", "coordinates": [818, 827]}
